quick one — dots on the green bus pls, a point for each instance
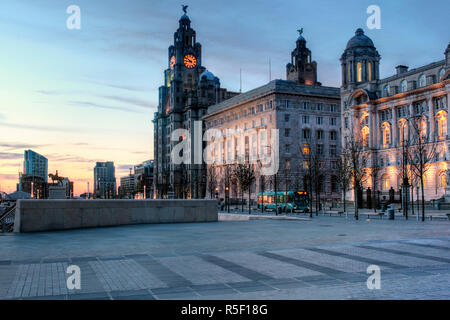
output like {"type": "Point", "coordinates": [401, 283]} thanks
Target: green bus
{"type": "Point", "coordinates": [288, 201]}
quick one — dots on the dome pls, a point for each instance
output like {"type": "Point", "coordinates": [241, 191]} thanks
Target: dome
{"type": "Point", "coordinates": [185, 17]}
{"type": "Point", "coordinates": [209, 76]}
{"type": "Point", "coordinates": [360, 40]}
{"type": "Point", "coordinates": [300, 38]}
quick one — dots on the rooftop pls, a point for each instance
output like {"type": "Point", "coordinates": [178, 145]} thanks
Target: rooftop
{"type": "Point", "coordinates": [275, 86]}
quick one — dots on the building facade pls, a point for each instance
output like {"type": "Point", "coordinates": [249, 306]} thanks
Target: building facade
{"type": "Point", "coordinates": [105, 180]}
{"type": "Point", "coordinates": [306, 115]}
{"type": "Point", "coordinates": [127, 187]}
{"type": "Point", "coordinates": [383, 114]}
{"type": "Point", "coordinates": [144, 173]}
{"type": "Point", "coordinates": [183, 99]}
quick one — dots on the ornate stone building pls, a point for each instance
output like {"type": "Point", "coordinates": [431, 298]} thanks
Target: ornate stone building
{"type": "Point", "coordinates": [382, 113]}
{"type": "Point", "coordinates": [183, 99]}
{"type": "Point", "coordinates": [306, 115]}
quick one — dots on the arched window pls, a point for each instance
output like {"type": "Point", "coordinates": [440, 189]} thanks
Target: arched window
{"type": "Point", "coordinates": [441, 74]}
{"type": "Point", "coordinates": [386, 90]}
{"type": "Point", "coordinates": [422, 126]}
{"type": "Point", "coordinates": [442, 179]}
{"type": "Point", "coordinates": [403, 131]}
{"type": "Point", "coordinates": [369, 70]}
{"type": "Point", "coordinates": [365, 136]}
{"type": "Point", "coordinates": [359, 72]}
{"type": "Point", "coordinates": [385, 183]}
{"type": "Point", "coordinates": [386, 134]}
{"type": "Point", "coordinates": [403, 86]}
{"type": "Point", "coordinates": [441, 125]}
{"type": "Point", "coordinates": [422, 82]}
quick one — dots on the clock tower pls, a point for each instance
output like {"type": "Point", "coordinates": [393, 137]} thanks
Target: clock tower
{"type": "Point", "coordinates": [301, 69]}
{"type": "Point", "coordinates": [184, 98]}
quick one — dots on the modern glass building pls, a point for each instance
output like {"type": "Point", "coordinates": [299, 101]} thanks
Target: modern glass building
{"type": "Point", "coordinates": [35, 164]}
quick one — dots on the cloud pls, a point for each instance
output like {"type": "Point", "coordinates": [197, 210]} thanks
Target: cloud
{"type": "Point", "coordinates": [132, 101]}
{"type": "Point", "coordinates": [39, 128]}
{"type": "Point", "coordinates": [9, 176]}
{"type": "Point", "coordinates": [10, 155]}
{"type": "Point", "coordinates": [123, 167]}
{"type": "Point", "coordinates": [69, 158]}
{"type": "Point", "coordinates": [100, 106]}
{"type": "Point", "coordinates": [124, 86]}
{"type": "Point", "coordinates": [14, 146]}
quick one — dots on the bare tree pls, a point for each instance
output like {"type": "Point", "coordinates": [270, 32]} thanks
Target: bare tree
{"type": "Point", "coordinates": [245, 176]}
{"type": "Point", "coordinates": [375, 170]}
{"type": "Point", "coordinates": [211, 178]}
{"type": "Point", "coordinates": [344, 175]}
{"type": "Point", "coordinates": [422, 153]}
{"type": "Point", "coordinates": [358, 163]}
{"type": "Point", "coordinates": [274, 183]}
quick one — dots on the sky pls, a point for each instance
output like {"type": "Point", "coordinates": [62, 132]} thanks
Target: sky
{"type": "Point", "coordinates": [88, 95]}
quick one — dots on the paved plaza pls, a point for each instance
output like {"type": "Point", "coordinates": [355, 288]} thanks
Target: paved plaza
{"type": "Point", "coordinates": [324, 258]}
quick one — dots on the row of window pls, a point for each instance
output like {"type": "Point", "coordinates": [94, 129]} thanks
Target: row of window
{"type": "Point", "coordinates": [319, 120]}
{"type": "Point", "coordinates": [306, 105]}
{"type": "Point", "coordinates": [421, 82]}
{"type": "Point", "coordinates": [403, 130]}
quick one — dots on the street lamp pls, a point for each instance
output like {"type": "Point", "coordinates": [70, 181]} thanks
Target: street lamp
{"type": "Point", "coordinates": [227, 198]}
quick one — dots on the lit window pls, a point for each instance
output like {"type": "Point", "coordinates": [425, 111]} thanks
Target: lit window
{"type": "Point", "coordinates": [386, 134]}
{"type": "Point", "coordinates": [403, 130]}
{"type": "Point", "coordinates": [305, 164]}
{"type": "Point", "coordinates": [385, 182]}
{"type": "Point", "coordinates": [365, 136]}
{"type": "Point", "coordinates": [442, 180]}
{"type": "Point", "coordinates": [358, 72]}
{"type": "Point", "coordinates": [369, 66]}
{"type": "Point", "coordinates": [305, 149]}
{"type": "Point", "coordinates": [442, 125]}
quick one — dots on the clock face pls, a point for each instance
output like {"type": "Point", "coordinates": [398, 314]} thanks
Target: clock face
{"type": "Point", "coordinates": [172, 62]}
{"type": "Point", "coordinates": [190, 61]}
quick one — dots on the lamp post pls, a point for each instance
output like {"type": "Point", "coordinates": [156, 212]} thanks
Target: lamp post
{"type": "Point", "coordinates": [227, 197]}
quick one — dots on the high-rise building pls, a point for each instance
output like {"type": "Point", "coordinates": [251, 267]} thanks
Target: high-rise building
{"type": "Point", "coordinates": [387, 115]}
{"type": "Point", "coordinates": [183, 99]}
{"type": "Point", "coordinates": [105, 180]}
{"type": "Point", "coordinates": [35, 165]}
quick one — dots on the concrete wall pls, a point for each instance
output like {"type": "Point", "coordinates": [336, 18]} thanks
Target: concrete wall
{"type": "Point", "coordinates": [46, 215]}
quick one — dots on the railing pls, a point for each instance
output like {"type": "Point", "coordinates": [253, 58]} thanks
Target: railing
{"type": "Point", "coordinates": [7, 219]}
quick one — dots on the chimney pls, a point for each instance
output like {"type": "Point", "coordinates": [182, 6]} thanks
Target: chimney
{"type": "Point", "coordinates": [401, 69]}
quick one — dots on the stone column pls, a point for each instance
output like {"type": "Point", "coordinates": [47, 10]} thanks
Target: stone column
{"type": "Point", "coordinates": [394, 127]}
{"type": "Point", "coordinates": [432, 119]}
{"type": "Point", "coordinates": [371, 126]}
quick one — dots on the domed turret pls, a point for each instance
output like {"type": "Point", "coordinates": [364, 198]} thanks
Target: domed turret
{"type": "Point", "coordinates": [360, 60]}
{"type": "Point", "coordinates": [207, 75]}
{"type": "Point", "coordinates": [359, 40]}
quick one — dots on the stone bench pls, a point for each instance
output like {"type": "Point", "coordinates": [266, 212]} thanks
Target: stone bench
{"type": "Point", "coordinates": [375, 214]}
